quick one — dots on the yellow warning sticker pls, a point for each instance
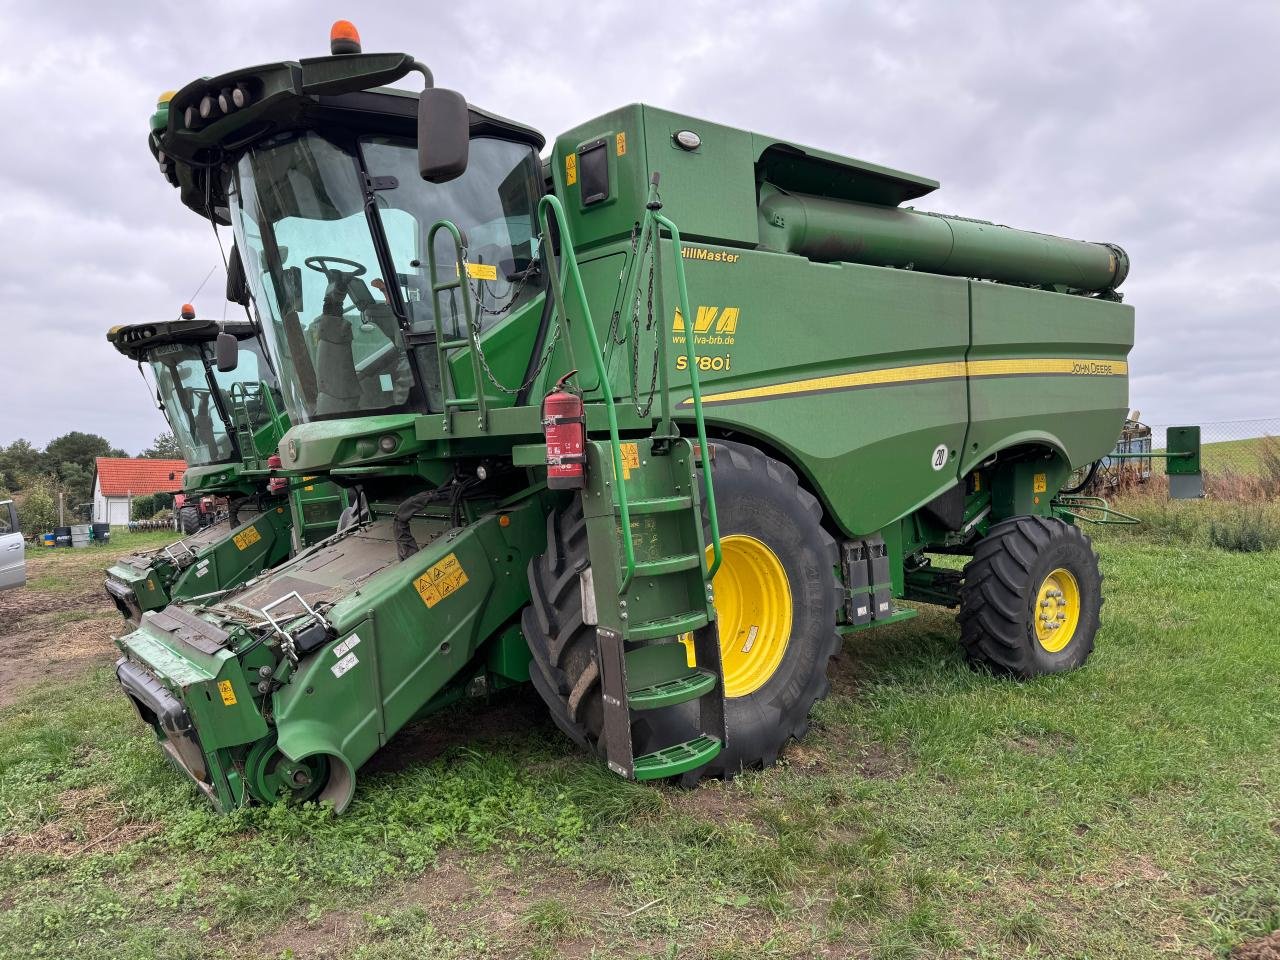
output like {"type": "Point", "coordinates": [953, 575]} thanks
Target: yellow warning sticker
{"type": "Point", "coordinates": [570, 169]}
{"type": "Point", "coordinates": [482, 271]}
{"type": "Point", "coordinates": [1039, 483]}
{"type": "Point", "coordinates": [630, 459]}
{"type": "Point", "coordinates": [246, 538]}
{"type": "Point", "coordinates": [621, 140]}
{"type": "Point", "coordinates": [442, 579]}
{"type": "Point", "coordinates": [228, 694]}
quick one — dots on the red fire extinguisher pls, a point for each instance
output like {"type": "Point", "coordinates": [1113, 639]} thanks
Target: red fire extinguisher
{"type": "Point", "coordinates": [276, 484]}
{"type": "Point", "coordinates": [564, 425]}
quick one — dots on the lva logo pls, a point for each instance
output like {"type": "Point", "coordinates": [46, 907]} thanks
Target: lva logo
{"type": "Point", "coordinates": [716, 326]}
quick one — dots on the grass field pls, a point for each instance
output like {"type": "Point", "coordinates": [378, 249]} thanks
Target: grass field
{"type": "Point", "coordinates": [1243, 456]}
{"type": "Point", "coordinates": [1131, 809]}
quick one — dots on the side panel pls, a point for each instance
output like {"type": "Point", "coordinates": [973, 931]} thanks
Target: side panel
{"type": "Point", "coordinates": [1079, 397]}
{"type": "Point", "coordinates": [856, 371]}
{"type": "Point", "coordinates": [256, 545]}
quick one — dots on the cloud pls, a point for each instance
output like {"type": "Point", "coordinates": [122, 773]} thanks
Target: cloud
{"type": "Point", "coordinates": [1150, 125]}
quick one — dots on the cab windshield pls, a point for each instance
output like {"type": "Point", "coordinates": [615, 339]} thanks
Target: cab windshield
{"type": "Point", "coordinates": [182, 383]}
{"type": "Point", "coordinates": [340, 319]}
{"type": "Point", "coordinates": [253, 387]}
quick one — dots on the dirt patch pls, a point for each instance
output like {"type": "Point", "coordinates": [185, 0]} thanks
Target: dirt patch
{"type": "Point", "coordinates": [1264, 948]}
{"type": "Point", "coordinates": [1042, 745]}
{"type": "Point", "coordinates": [1137, 870]}
{"type": "Point", "coordinates": [512, 713]}
{"type": "Point", "coordinates": [458, 897]}
{"type": "Point", "coordinates": [23, 603]}
{"type": "Point", "coordinates": [87, 822]}
{"type": "Point", "coordinates": [877, 763]}
{"type": "Point", "coordinates": [713, 800]}
{"type": "Point", "coordinates": [46, 646]}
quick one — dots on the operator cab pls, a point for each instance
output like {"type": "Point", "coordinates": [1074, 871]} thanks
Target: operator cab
{"type": "Point", "coordinates": [197, 398]}
{"type": "Point", "coordinates": [325, 186]}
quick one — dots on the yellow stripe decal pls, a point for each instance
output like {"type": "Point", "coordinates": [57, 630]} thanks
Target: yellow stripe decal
{"type": "Point", "coordinates": [951, 370]}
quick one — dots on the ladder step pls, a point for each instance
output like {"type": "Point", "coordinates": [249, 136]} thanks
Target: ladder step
{"type": "Point", "coordinates": [667, 627]}
{"type": "Point", "coordinates": [665, 565]}
{"type": "Point", "coordinates": [455, 344]}
{"type": "Point", "coordinates": [668, 693]}
{"type": "Point", "coordinates": [446, 285]}
{"type": "Point", "coordinates": [659, 505]}
{"type": "Point", "coordinates": [677, 759]}
{"type": "Point", "coordinates": [462, 402]}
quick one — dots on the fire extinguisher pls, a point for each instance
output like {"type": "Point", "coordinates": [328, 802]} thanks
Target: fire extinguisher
{"type": "Point", "coordinates": [276, 484]}
{"type": "Point", "coordinates": [564, 425]}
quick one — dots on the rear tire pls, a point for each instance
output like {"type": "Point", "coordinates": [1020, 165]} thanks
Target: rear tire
{"type": "Point", "coordinates": [761, 504]}
{"type": "Point", "coordinates": [189, 520]}
{"type": "Point", "coordinates": [1031, 598]}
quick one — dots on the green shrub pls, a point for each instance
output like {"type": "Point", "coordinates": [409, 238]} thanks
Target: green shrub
{"type": "Point", "coordinates": [1228, 525]}
{"type": "Point", "coordinates": [38, 506]}
{"type": "Point", "coordinates": [1249, 529]}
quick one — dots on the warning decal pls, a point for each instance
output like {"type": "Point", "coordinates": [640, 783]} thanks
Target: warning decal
{"type": "Point", "coordinates": [442, 579]}
{"type": "Point", "coordinates": [228, 694]}
{"type": "Point", "coordinates": [247, 538]}
{"type": "Point", "coordinates": [630, 459]}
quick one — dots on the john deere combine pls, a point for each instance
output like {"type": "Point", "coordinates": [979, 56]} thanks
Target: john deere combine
{"type": "Point", "coordinates": [228, 427]}
{"type": "Point", "coordinates": [651, 422]}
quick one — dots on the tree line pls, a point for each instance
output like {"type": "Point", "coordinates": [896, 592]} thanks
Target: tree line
{"type": "Point", "coordinates": [35, 479]}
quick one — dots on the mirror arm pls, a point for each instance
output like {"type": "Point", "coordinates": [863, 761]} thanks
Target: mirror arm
{"type": "Point", "coordinates": [422, 68]}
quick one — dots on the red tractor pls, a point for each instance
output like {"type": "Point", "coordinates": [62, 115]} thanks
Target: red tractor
{"type": "Point", "coordinates": [195, 513]}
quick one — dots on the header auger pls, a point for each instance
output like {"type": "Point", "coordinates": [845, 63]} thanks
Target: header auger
{"type": "Point", "coordinates": [785, 392]}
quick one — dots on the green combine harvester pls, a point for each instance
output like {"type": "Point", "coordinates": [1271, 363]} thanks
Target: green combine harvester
{"type": "Point", "coordinates": [228, 428]}
{"type": "Point", "coordinates": [652, 423]}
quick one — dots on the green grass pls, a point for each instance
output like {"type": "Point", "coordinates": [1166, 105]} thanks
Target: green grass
{"type": "Point", "coordinates": [1127, 810]}
{"type": "Point", "coordinates": [1242, 456]}
{"type": "Point", "coordinates": [60, 570]}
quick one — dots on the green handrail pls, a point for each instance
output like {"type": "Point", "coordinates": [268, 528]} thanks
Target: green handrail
{"type": "Point", "coordinates": [1090, 510]}
{"type": "Point", "coordinates": [695, 387]}
{"type": "Point", "coordinates": [557, 285]}
{"type": "Point", "coordinates": [650, 224]}
{"type": "Point", "coordinates": [443, 346]}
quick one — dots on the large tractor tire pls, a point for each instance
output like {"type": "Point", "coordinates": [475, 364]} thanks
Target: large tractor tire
{"type": "Point", "coordinates": [776, 601]}
{"type": "Point", "coordinates": [1031, 598]}
{"type": "Point", "coordinates": [189, 520]}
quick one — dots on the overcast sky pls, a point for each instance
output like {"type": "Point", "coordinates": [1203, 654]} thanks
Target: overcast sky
{"type": "Point", "coordinates": [1152, 125]}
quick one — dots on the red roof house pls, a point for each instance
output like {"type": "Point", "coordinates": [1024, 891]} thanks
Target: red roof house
{"type": "Point", "coordinates": [118, 479]}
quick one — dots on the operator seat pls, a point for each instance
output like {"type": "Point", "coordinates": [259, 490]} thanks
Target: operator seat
{"type": "Point", "coordinates": [337, 385]}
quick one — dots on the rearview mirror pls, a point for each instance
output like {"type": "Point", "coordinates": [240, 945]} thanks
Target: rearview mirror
{"type": "Point", "coordinates": [227, 352]}
{"type": "Point", "coordinates": [237, 285]}
{"type": "Point", "coordinates": [444, 134]}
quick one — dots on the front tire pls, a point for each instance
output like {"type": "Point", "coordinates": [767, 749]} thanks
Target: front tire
{"type": "Point", "coordinates": [776, 597]}
{"type": "Point", "coordinates": [1031, 598]}
{"type": "Point", "coordinates": [189, 520]}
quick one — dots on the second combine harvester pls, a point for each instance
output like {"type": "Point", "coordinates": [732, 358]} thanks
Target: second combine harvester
{"type": "Point", "coordinates": [662, 509]}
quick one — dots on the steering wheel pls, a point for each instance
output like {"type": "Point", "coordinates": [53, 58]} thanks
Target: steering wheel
{"type": "Point", "coordinates": [321, 265]}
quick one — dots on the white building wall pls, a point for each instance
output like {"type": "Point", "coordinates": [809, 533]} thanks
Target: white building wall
{"type": "Point", "coordinates": [99, 502]}
{"type": "Point", "coordinates": [117, 511]}
{"type": "Point", "coordinates": [112, 510]}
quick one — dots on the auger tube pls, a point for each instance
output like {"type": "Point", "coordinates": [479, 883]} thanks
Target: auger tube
{"type": "Point", "coordinates": [840, 230]}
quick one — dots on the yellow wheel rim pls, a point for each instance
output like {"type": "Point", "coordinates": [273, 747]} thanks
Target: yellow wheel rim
{"type": "Point", "coordinates": [753, 608]}
{"type": "Point", "coordinates": [1057, 610]}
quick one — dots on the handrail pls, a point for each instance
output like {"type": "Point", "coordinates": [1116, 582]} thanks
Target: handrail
{"type": "Point", "coordinates": [241, 393]}
{"type": "Point", "coordinates": [695, 386]}
{"type": "Point", "coordinates": [557, 285]}
{"type": "Point", "coordinates": [1090, 510]}
{"type": "Point", "coordinates": [443, 346]}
